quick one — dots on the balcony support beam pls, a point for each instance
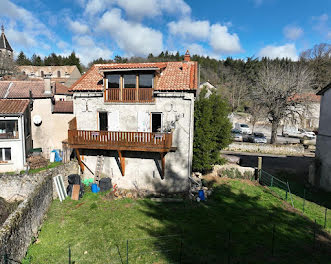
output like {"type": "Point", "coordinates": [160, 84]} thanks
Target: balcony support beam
{"type": "Point", "coordinates": [79, 160]}
{"type": "Point", "coordinates": [163, 164]}
{"type": "Point", "coordinates": [122, 162]}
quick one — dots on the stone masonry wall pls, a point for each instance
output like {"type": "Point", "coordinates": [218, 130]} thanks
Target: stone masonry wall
{"type": "Point", "coordinates": [23, 224]}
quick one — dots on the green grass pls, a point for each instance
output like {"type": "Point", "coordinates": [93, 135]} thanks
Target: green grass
{"type": "Point", "coordinates": [97, 229]}
{"type": "Point", "coordinates": [49, 166]}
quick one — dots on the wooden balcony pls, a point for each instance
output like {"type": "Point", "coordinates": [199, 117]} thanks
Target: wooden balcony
{"type": "Point", "coordinates": [120, 141]}
{"type": "Point", "coordinates": [130, 95]}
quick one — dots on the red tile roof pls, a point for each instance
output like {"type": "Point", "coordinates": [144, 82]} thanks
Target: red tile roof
{"type": "Point", "coordinates": [13, 106]}
{"type": "Point", "coordinates": [21, 89]}
{"type": "Point", "coordinates": [173, 76]}
{"type": "Point", "coordinates": [61, 89]}
{"type": "Point", "coordinates": [307, 97]}
{"type": "Point", "coordinates": [63, 107]}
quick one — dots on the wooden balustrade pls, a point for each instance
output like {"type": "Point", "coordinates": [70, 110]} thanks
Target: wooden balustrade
{"type": "Point", "coordinates": [128, 95]}
{"type": "Point", "coordinates": [117, 140]}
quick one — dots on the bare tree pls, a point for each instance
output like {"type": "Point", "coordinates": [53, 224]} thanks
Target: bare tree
{"type": "Point", "coordinates": [7, 64]}
{"type": "Point", "coordinates": [238, 89]}
{"type": "Point", "coordinates": [277, 87]}
{"type": "Point", "coordinates": [257, 112]}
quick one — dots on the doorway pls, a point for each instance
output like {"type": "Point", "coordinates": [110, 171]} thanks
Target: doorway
{"type": "Point", "coordinates": [156, 122]}
{"type": "Point", "coordinates": [103, 121]}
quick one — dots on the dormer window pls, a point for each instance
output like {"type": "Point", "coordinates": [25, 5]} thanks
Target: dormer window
{"type": "Point", "coordinates": [113, 81]}
{"type": "Point", "coordinates": [58, 74]}
{"type": "Point", "coordinates": [129, 81]}
{"type": "Point", "coordinates": [146, 80]}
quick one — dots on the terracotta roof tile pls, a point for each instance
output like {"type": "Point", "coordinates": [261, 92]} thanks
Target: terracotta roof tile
{"type": "Point", "coordinates": [13, 106]}
{"type": "Point", "coordinates": [174, 75]}
{"type": "Point", "coordinates": [61, 89]}
{"type": "Point", "coordinates": [63, 107]}
{"type": "Point", "coordinates": [21, 89]}
{"type": "Point", "coordinates": [307, 97]}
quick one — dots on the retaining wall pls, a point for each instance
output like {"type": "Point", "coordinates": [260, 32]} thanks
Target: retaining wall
{"type": "Point", "coordinates": [22, 225]}
{"type": "Point", "coordinates": [293, 149]}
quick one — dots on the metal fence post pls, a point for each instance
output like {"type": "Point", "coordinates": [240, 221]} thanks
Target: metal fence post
{"type": "Point", "coordinates": [272, 181]}
{"type": "Point", "coordinates": [326, 210]}
{"type": "Point", "coordinates": [314, 241]}
{"type": "Point", "coordinates": [259, 167]}
{"type": "Point", "coordinates": [69, 255]}
{"type": "Point", "coordinates": [273, 240]}
{"type": "Point", "coordinates": [304, 200]}
{"type": "Point", "coordinates": [127, 251]}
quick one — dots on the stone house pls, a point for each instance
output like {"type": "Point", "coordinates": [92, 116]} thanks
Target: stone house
{"type": "Point", "coordinates": [15, 134]}
{"type": "Point", "coordinates": [323, 144]}
{"type": "Point", "coordinates": [66, 75]}
{"type": "Point", "coordinates": [49, 122]}
{"type": "Point", "coordinates": [137, 120]}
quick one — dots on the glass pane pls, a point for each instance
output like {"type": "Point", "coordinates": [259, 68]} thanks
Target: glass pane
{"type": "Point", "coordinates": [113, 80]}
{"type": "Point", "coordinates": [129, 80]}
{"type": "Point", "coordinates": [146, 80]}
{"type": "Point", "coordinates": [1, 156]}
{"type": "Point", "coordinates": [7, 154]}
{"type": "Point", "coordinates": [8, 128]}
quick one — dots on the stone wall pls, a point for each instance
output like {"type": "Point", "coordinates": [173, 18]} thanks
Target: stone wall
{"type": "Point", "coordinates": [293, 149]}
{"type": "Point", "coordinates": [22, 225]}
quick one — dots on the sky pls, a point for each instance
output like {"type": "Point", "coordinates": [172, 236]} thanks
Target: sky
{"type": "Point", "coordinates": [215, 28]}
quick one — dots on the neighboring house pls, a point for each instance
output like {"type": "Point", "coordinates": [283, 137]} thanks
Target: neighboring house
{"type": "Point", "coordinates": [323, 145]}
{"type": "Point", "coordinates": [139, 118]}
{"type": "Point", "coordinates": [66, 75]}
{"type": "Point", "coordinates": [15, 134]}
{"type": "Point", "coordinates": [61, 92]}
{"type": "Point", "coordinates": [210, 88]}
{"type": "Point", "coordinates": [306, 114]}
{"type": "Point", "coordinates": [50, 118]}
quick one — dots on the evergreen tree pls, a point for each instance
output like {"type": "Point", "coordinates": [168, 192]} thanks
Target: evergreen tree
{"type": "Point", "coordinates": [212, 131]}
{"type": "Point", "coordinates": [22, 59]}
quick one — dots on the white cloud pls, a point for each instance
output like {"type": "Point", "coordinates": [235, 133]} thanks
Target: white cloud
{"type": "Point", "coordinates": [88, 50]}
{"type": "Point", "coordinates": [190, 29]}
{"type": "Point", "coordinates": [62, 44]}
{"type": "Point", "coordinates": [133, 38]}
{"type": "Point", "coordinates": [285, 51]}
{"type": "Point", "coordinates": [292, 32]}
{"type": "Point", "coordinates": [222, 41]}
{"type": "Point", "coordinates": [322, 26]}
{"type": "Point", "coordinates": [137, 9]}
{"type": "Point", "coordinates": [78, 27]}
{"type": "Point", "coordinates": [195, 48]}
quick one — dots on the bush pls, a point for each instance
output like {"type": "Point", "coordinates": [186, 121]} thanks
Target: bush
{"type": "Point", "coordinates": [212, 131]}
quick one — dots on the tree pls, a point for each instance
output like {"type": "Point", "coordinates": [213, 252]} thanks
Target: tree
{"type": "Point", "coordinates": [276, 88]}
{"type": "Point", "coordinates": [22, 59]}
{"type": "Point", "coordinates": [36, 60]}
{"type": "Point", "coordinates": [7, 64]}
{"type": "Point", "coordinates": [212, 130]}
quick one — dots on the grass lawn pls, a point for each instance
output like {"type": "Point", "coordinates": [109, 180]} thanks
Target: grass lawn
{"type": "Point", "coordinates": [234, 226]}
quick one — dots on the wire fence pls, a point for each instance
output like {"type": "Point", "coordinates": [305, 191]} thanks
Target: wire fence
{"type": "Point", "coordinates": [320, 214]}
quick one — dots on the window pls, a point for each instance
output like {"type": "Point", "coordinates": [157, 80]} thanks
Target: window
{"type": "Point", "coordinates": [5, 154]}
{"type": "Point", "coordinates": [42, 73]}
{"type": "Point", "coordinates": [113, 80]}
{"type": "Point", "coordinates": [146, 80]}
{"type": "Point", "coordinates": [156, 122]}
{"type": "Point", "coordinates": [8, 129]}
{"type": "Point", "coordinates": [58, 74]}
{"type": "Point", "coordinates": [129, 81]}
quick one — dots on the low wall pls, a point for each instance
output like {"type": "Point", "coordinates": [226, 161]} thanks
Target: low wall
{"type": "Point", "coordinates": [23, 224]}
{"type": "Point", "coordinates": [293, 149]}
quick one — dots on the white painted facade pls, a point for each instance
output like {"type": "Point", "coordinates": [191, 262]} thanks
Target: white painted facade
{"type": "Point", "coordinates": [142, 169]}
{"type": "Point", "coordinates": [17, 147]}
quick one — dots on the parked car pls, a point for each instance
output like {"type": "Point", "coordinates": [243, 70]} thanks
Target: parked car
{"type": "Point", "coordinates": [298, 133]}
{"type": "Point", "coordinates": [237, 136]}
{"type": "Point", "coordinates": [257, 137]}
{"type": "Point", "coordinates": [243, 128]}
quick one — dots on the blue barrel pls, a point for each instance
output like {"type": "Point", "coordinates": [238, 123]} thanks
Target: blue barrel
{"type": "Point", "coordinates": [201, 195]}
{"type": "Point", "coordinates": [95, 188]}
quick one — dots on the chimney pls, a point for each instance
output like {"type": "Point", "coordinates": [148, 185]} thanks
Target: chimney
{"type": "Point", "coordinates": [47, 82]}
{"type": "Point", "coordinates": [187, 56]}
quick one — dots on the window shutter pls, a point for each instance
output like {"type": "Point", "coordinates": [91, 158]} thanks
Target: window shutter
{"type": "Point", "coordinates": [143, 122]}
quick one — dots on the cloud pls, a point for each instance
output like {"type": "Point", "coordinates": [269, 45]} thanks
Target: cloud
{"type": "Point", "coordinates": [78, 27]}
{"type": "Point", "coordinates": [88, 50]}
{"type": "Point", "coordinates": [138, 9]}
{"type": "Point", "coordinates": [292, 32]}
{"type": "Point", "coordinates": [187, 28]}
{"type": "Point", "coordinates": [285, 51]}
{"type": "Point", "coordinates": [222, 41]}
{"type": "Point", "coordinates": [321, 25]}
{"type": "Point", "coordinates": [133, 38]}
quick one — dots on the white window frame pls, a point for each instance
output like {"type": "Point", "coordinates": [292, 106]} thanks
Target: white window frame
{"type": "Point", "coordinates": [4, 156]}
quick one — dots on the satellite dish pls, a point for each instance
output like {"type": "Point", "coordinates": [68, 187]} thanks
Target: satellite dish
{"type": "Point", "coordinates": [37, 120]}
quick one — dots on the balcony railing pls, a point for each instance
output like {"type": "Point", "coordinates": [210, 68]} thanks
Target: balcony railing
{"type": "Point", "coordinates": [115, 140]}
{"type": "Point", "coordinates": [129, 95]}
